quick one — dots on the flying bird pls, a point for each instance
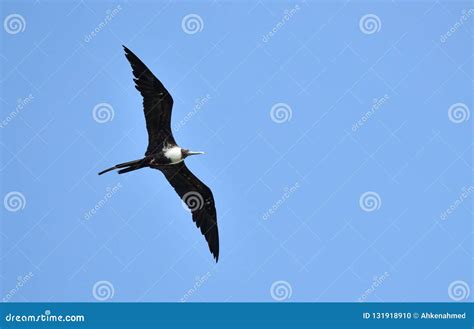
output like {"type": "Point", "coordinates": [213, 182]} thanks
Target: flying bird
{"type": "Point", "coordinates": [164, 154]}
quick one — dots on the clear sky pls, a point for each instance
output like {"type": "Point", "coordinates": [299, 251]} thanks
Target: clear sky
{"type": "Point", "coordinates": [338, 145]}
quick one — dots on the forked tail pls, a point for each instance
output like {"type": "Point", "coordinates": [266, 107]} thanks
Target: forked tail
{"type": "Point", "coordinates": [127, 166]}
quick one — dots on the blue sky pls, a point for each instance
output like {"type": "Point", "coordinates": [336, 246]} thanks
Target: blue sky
{"type": "Point", "coordinates": [338, 145]}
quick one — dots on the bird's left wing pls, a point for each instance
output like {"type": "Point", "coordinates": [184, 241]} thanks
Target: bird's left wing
{"type": "Point", "coordinates": [198, 198]}
{"type": "Point", "coordinates": [157, 104]}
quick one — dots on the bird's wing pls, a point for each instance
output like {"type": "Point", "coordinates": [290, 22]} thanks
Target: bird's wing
{"type": "Point", "coordinates": [157, 105]}
{"type": "Point", "coordinates": [198, 198]}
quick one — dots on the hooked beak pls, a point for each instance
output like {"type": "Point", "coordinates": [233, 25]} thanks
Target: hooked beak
{"type": "Point", "coordinates": [195, 153]}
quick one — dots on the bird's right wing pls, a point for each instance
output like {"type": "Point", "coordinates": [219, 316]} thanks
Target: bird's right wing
{"type": "Point", "coordinates": [157, 104]}
{"type": "Point", "coordinates": [198, 198]}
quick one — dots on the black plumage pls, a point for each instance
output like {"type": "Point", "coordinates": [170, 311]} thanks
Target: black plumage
{"type": "Point", "coordinates": [164, 154]}
{"type": "Point", "coordinates": [203, 210]}
{"type": "Point", "coordinates": [157, 105]}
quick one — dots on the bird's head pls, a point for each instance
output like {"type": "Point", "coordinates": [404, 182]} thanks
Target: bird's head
{"type": "Point", "coordinates": [185, 153]}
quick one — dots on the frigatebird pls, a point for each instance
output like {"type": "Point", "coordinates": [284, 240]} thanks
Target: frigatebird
{"type": "Point", "coordinates": [164, 154]}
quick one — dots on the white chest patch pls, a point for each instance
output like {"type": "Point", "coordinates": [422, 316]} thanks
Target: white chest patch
{"type": "Point", "coordinates": [174, 154]}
